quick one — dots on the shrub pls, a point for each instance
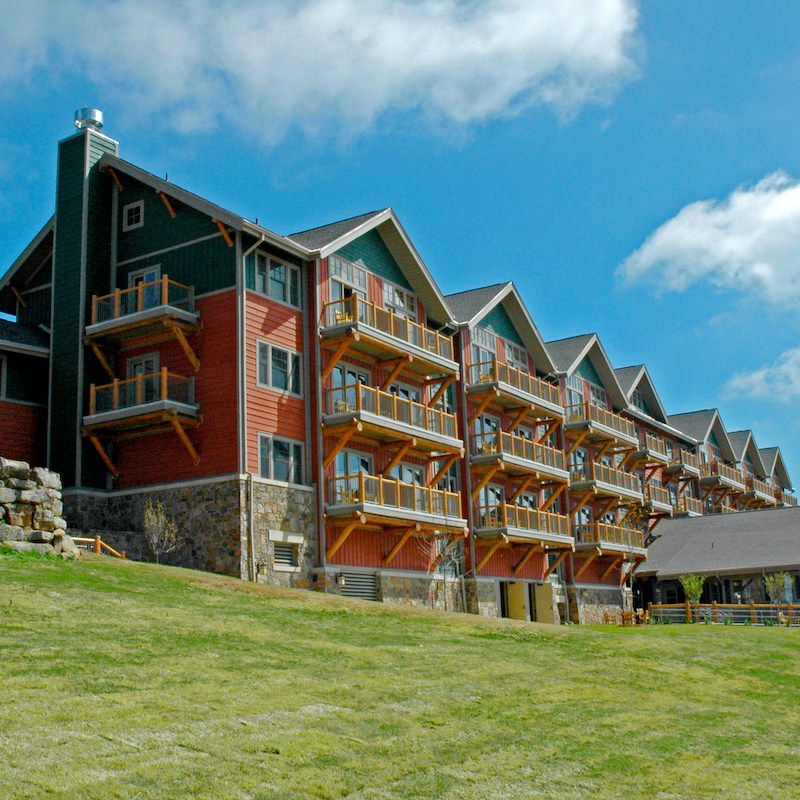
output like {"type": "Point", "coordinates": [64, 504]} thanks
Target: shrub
{"type": "Point", "coordinates": [774, 584]}
{"type": "Point", "coordinates": [160, 531]}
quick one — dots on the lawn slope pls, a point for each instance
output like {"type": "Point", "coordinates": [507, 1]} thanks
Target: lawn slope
{"type": "Point", "coordinates": [125, 680]}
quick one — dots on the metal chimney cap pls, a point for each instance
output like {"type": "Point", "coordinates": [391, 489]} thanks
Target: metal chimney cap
{"type": "Point", "coordinates": [89, 118]}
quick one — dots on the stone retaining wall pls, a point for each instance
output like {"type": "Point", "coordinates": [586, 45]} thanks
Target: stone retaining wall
{"type": "Point", "coordinates": [31, 509]}
{"type": "Point", "coordinates": [588, 606]}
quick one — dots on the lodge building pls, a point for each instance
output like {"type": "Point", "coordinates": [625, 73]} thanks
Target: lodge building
{"type": "Point", "coordinates": [313, 411]}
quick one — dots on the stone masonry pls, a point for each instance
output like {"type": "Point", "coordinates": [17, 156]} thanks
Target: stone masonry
{"type": "Point", "coordinates": [31, 509]}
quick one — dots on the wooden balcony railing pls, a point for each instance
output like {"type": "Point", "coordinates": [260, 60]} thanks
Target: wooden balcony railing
{"type": "Point", "coordinates": [657, 494]}
{"type": "Point", "coordinates": [592, 471]}
{"type": "Point", "coordinates": [688, 505]}
{"type": "Point", "coordinates": [124, 302]}
{"type": "Point", "coordinates": [529, 519]}
{"type": "Point", "coordinates": [762, 487]}
{"type": "Point", "coordinates": [490, 371]}
{"type": "Point", "coordinates": [720, 470]}
{"type": "Point", "coordinates": [592, 532]}
{"type": "Point", "coordinates": [161, 385]}
{"type": "Point", "coordinates": [359, 397]}
{"type": "Point", "coordinates": [649, 441]}
{"type": "Point", "coordinates": [785, 498]}
{"type": "Point", "coordinates": [685, 458]}
{"type": "Point", "coordinates": [392, 493]}
{"type": "Point", "coordinates": [588, 412]}
{"type": "Point", "coordinates": [518, 446]}
{"type": "Point", "coordinates": [355, 309]}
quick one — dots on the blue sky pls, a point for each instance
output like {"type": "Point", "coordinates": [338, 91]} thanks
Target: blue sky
{"type": "Point", "coordinates": [633, 167]}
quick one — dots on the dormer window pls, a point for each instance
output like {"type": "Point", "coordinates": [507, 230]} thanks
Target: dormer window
{"type": "Point", "coordinates": [516, 357]}
{"type": "Point", "coordinates": [637, 399]}
{"type": "Point", "coordinates": [402, 302]}
{"type": "Point", "coordinates": [599, 396]}
{"type": "Point", "coordinates": [133, 215]}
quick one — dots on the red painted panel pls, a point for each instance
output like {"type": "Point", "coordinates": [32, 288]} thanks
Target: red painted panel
{"type": "Point", "coordinates": [368, 548]}
{"type": "Point", "coordinates": [23, 432]}
{"type": "Point", "coordinates": [503, 561]}
{"type": "Point", "coordinates": [592, 573]}
{"type": "Point", "coordinates": [162, 458]}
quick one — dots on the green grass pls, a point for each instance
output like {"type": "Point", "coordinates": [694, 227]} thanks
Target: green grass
{"type": "Point", "coordinates": [125, 680]}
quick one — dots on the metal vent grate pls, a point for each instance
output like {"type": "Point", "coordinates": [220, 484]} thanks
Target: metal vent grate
{"type": "Point", "coordinates": [285, 554]}
{"type": "Point", "coordinates": [360, 584]}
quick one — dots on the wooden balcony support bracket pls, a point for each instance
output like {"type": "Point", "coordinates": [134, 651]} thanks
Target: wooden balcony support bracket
{"type": "Point", "coordinates": [553, 497]}
{"type": "Point", "coordinates": [338, 353]}
{"type": "Point", "coordinates": [551, 428]}
{"type": "Point", "coordinates": [485, 560]}
{"type": "Point", "coordinates": [399, 455]}
{"type": "Point", "coordinates": [115, 177]}
{"type": "Point", "coordinates": [101, 451]}
{"type": "Point", "coordinates": [648, 474]}
{"type": "Point", "coordinates": [396, 365]}
{"type": "Point", "coordinates": [346, 436]}
{"type": "Point", "coordinates": [577, 442]}
{"type": "Point", "coordinates": [485, 479]}
{"type": "Point", "coordinates": [589, 558]}
{"type": "Point", "coordinates": [167, 203]}
{"type": "Point", "coordinates": [519, 416]}
{"type": "Point", "coordinates": [708, 493]}
{"type": "Point", "coordinates": [581, 502]}
{"type": "Point", "coordinates": [524, 484]}
{"type": "Point", "coordinates": [551, 567]}
{"type": "Point", "coordinates": [607, 571]}
{"type": "Point", "coordinates": [187, 442]}
{"type": "Point", "coordinates": [179, 334]}
{"type": "Point", "coordinates": [448, 462]}
{"type": "Point", "coordinates": [524, 560]}
{"type": "Point", "coordinates": [631, 514]}
{"type": "Point", "coordinates": [101, 357]}
{"type": "Point", "coordinates": [407, 534]}
{"type": "Point", "coordinates": [224, 231]}
{"type": "Point", "coordinates": [603, 450]}
{"type": "Point", "coordinates": [18, 295]}
{"type": "Point", "coordinates": [445, 383]}
{"type": "Point", "coordinates": [342, 537]}
{"type": "Point", "coordinates": [483, 405]}
{"type": "Point", "coordinates": [607, 506]}
{"type": "Point", "coordinates": [654, 520]}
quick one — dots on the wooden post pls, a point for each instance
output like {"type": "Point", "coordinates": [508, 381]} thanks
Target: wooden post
{"type": "Point", "coordinates": [164, 291]}
{"type": "Point", "coordinates": [714, 612]}
{"type": "Point", "coordinates": [96, 544]}
{"type": "Point", "coordinates": [92, 401]}
{"type": "Point", "coordinates": [94, 308]}
{"type": "Point", "coordinates": [117, 303]}
{"type": "Point", "coordinates": [140, 297]}
{"type": "Point", "coordinates": [164, 383]}
{"type": "Point", "coordinates": [752, 612]}
{"type": "Point", "coordinates": [361, 495]}
{"type": "Point", "coordinates": [688, 611]}
{"type": "Point", "coordinates": [115, 394]}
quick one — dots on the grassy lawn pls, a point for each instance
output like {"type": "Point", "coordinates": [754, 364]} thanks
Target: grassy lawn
{"type": "Point", "coordinates": [125, 680]}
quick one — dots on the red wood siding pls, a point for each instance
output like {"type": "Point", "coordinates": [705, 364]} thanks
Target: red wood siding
{"type": "Point", "coordinates": [368, 548]}
{"type": "Point", "coordinates": [162, 458]}
{"type": "Point", "coordinates": [503, 561]}
{"type": "Point", "coordinates": [23, 433]}
{"type": "Point", "coordinates": [270, 411]}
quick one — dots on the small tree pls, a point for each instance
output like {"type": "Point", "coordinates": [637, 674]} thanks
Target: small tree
{"type": "Point", "coordinates": [775, 584]}
{"type": "Point", "coordinates": [693, 588]}
{"type": "Point", "coordinates": [160, 531]}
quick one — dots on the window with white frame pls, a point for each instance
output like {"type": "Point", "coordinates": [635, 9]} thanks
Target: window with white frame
{"type": "Point", "coordinates": [599, 396]}
{"type": "Point", "coordinates": [279, 369]}
{"type": "Point", "coordinates": [574, 390]}
{"type": "Point", "coordinates": [133, 215]}
{"type": "Point", "coordinates": [280, 459]}
{"type": "Point", "coordinates": [347, 272]}
{"type": "Point", "coordinates": [402, 302]}
{"type": "Point", "coordinates": [277, 280]}
{"type": "Point", "coordinates": [637, 399]}
{"type": "Point", "coordinates": [484, 351]}
{"type": "Point", "coordinates": [516, 356]}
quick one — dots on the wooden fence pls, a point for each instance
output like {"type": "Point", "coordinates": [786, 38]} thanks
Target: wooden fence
{"type": "Point", "coordinates": [726, 614]}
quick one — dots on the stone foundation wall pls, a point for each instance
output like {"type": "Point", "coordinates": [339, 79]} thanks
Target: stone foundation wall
{"type": "Point", "coordinates": [588, 606]}
{"type": "Point", "coordinates": [31, 510]}
{"type": "Point", "coordinates": [208, 516]}
{"type": "Point", "coordinates": [287, 515]}
{"type": "Point", "coordinates": [482, 598]}
{"type": "Point", "coordinates": [440, 593]}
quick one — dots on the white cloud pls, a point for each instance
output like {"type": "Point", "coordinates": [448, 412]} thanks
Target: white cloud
{"type": "Point", "coordinates": [270, 65]}
{"type": "Point", "coordinates": [748, 242]}
{"type": "Point", "coordinates": [779, 381]}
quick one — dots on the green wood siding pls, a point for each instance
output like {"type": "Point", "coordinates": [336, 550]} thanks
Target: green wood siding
{"type": "Point", "coordinates": [371, 250]}
{"type": "Point", "coordinates": [26, 378]}
{"type": "Point", "coordinates": [498, 322]}
{"type": "Point", "coordinates": [587, 371]}
{"type": "Point", "coordinates": [713, 439]}
{"type": "Point", "coordinates": [208, 265]}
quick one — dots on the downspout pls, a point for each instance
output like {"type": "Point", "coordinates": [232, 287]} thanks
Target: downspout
{"type": "Point", "coordinates": [251, 526]}
{"type": "Point", "coordinates": [315, 292]}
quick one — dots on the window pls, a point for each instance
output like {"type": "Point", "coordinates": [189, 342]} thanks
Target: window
{"type": "Point", "coordinates": [146, 390]}
{"type": "Point", "coordinates": [516, 357]}
{"type": "Point", "coordinates": [574, 390]}
{"type": "Point", "coordinates": [400, 301]}
{"type": "Point", "coordinates": [149, 296]}
{"type": "Point", "coordinates": [280, 459]}
{"type": "Point", "coordinates": [133, 215]}
{"type": "Point", "coordinates": [279, 369]}
{"type": "Point", "coordinates": [599, 395]}
{"type": "Point", "coordinates": [348, 273]}
{"type": "Point", "coordinates": [637, 399]}
{"type": "Point", "coordinates": [277, 280]}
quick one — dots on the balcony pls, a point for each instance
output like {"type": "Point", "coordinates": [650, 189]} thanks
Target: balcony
{"type": "Point", "coordinates": [599, 423]}
{"type": "Point", "coordinates": [653, 450]}
{"type": "Point", "coordinates": [391, 502]}
{"type": "Point", "coordinates": [785, 499]}
{"type": "Point", "coordinates": [722, 475]}
{"type": "Point", "coordinates": [688, 506]}
{"type": "Point", "coordinates": [607, 481]}
{"type": "Point", "coordinates": [685, 464]}
{"type": "Point", "coordinates": [519, 524]}
{"type": "Point", "coordinates": [513, 386]}
{"type": "Point", "coordinates": [518, 455]}
{"type": "Point", "coordinates": [760, 491]}
{"type": "Point", "coordinates": [389, 417]}
{"type": "Point", "coordinates": [381, 333]}
{"type": "Point", "coordinates": [615, 538]}
{"type": "Point", "coordinates": [657, 497]}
